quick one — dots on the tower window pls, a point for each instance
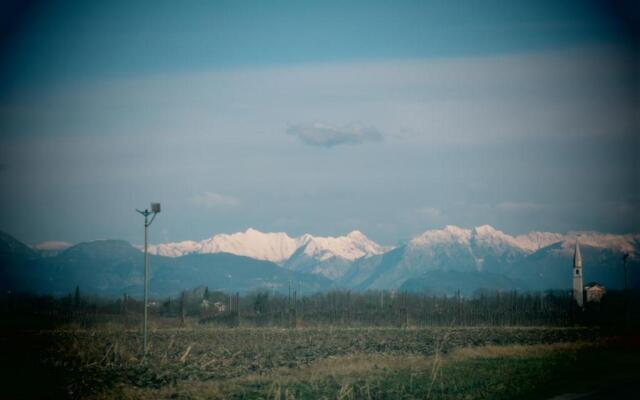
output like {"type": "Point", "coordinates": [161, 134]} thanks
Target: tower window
{"type": "Point", "coordinates": [577, 272]}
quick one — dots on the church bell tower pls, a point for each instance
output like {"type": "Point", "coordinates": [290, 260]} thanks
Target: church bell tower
{"type": "Point", "coordinates": [577, 276]}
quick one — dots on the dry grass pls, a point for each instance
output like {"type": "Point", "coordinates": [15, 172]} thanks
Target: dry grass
{"type": "Point", "coordinates": [535, 350]}
{"type": "Point", "coordinates": [343, 369]}
{"type": "Point", "coordinates": [213, 362]}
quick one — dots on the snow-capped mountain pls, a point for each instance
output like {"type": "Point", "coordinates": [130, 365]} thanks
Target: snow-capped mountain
{"type": "Point", "coordinates": [113, 267]}
{"type": "Point", "coordinates": [353, 245]}
{"type": "Point", "coordinates": [454, 248]}
{"type": "Point", "coordinates": [437, 261]}
{"type": "Point", "coordinates": [354, 261]}
{"type": "Point", "coordinates": [534, 241]}
{"type": "Point", "coordinates": [331, 256]}
{"type": "Point", "coordinates": [174, 249]}
{"type": "Point", "coordinates": [278, 247]}
{"type": "Point", "coordinates": [275, 247]}
{"type": "Point", "coordinates": [485, 236]}
{"type": "Point", "coordinates": [482, 254]}
{"type": "Point", "coordinates": [628, 243]}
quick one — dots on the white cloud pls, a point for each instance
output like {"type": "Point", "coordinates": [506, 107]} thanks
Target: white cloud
{"type": "Point", "coordinates": [320, 134]}
{"type": "Point", "coordinates": [574, 91]}
{"type": "Point", "coordinates": [212, 200]}
{"type": "Point", "coordinates": [461, 120]}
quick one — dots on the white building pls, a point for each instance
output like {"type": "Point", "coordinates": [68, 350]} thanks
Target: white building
{"type": "Point", "coordinates": [594, 292]}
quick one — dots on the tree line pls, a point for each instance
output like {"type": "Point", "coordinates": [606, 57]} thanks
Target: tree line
{"type": "Point", "coordinates": [332, 308]}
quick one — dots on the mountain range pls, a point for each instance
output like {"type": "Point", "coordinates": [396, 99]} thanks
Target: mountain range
{"type": "Point", "coordinates": [451, 259]}
{"type": "Point", "coordinates": [438, 261]}
{"type": "Point", "coordinates": [327, 256]}
{"type": "Point", "coordinates": [115, 267]}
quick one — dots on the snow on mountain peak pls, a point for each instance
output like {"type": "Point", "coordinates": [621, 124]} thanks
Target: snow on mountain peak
{"type": "Point", "coordinates": [534, 241]}
{"type": "Point", "coordinates": [331, 256]}
{"type": "Point", "coordinates": [485, 236]}
{"type": "Point", "coordinates": [487, 230]}
{"type": "Point", "coordinates": [356, 235]}
{"type": "Point", "coordinates": [350, 247]}
{"type": "Point", "coordinates": [304, 239]}
{"type": "Point", "coordinates": [622, 243]}
{"type": "Point", "coordinates": [175, 249]}
{"type": "Point", "coordinates": [276, 246]}
{"type": "Point", "coordinates": [488, 236]}
{"type": "Point", "coordinates": [449, 235]}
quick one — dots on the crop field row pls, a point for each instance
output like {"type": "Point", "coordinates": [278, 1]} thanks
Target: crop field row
{"type": "Point", "coordinates": [91, 362]}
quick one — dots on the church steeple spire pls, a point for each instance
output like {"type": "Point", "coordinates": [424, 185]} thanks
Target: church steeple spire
{"type": "Point", "coordinates": [577, 275]}
{"type": "Point", "coordinates": [577, 256]}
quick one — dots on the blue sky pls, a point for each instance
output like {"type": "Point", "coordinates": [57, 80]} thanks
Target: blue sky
{"type": "Point", "coordinates": [321, 117]}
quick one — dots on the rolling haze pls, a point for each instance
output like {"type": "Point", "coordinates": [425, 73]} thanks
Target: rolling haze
{"type": "Point", "coordinates": [389, 118]}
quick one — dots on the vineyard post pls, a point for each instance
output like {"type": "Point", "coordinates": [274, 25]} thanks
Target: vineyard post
{"type": "Point", "coordinates": [230, 291]}
{"type": "Point", "coordinates": [626, 295]}
{"type": "Point", "coordinates": [238, 307]}
{"type": "Point", "coordinates": [406, 310]}
{"type": "Point", "coordinates": [182, 308]}
{"type": "Point", "coordinates": [289, 296]}
{"type": "Point", "coordinates": [294, 310]}
{"type": "Point", "coordinates": [124, 312]}
{"type": "Point", "coordinates": [348, 307]}
{"type": "Point", "coordinates": [301, 302]}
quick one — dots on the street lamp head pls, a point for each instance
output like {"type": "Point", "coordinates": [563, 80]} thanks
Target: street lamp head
{"type": "Point", "coordinates": [155, 207]}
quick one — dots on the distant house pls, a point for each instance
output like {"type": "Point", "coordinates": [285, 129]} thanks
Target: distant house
{"type": "Point", "coordinates": [219, 306]}
{"type": "Point", "coordinates": [594, 292]}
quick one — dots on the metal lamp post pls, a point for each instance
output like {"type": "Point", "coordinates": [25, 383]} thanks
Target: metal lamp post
{"type": "Point", "coordinates": [230, 290]}
{"type": "Point", "coordinates": [155, 209]}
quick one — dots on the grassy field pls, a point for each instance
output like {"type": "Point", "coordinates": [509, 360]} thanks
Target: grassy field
{"type": "Point", "coordinates": [270, 363]}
